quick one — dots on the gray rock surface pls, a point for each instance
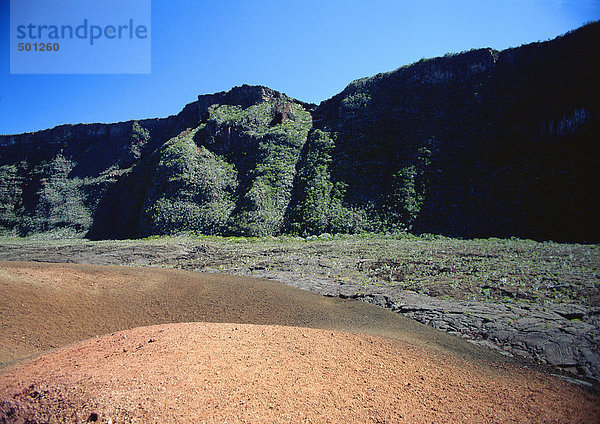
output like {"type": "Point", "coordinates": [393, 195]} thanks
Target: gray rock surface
{"type": "Point", "coordinates": [533, 331]}
{"type": "Point", "coordinates": [566, 336]}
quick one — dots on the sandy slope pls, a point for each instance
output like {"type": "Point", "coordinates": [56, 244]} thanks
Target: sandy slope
{"type": "Point", "coordinates": [213, 372]}
{"type": "Point", "coordinates": [43, 306]}
{"type": "Point", "coordinates": [246, 373]}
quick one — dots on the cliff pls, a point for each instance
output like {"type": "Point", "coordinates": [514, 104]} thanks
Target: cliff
{"type": "Point", "coordinates": [477, 144]}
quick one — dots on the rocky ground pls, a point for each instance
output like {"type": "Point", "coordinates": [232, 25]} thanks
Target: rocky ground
{"type": "Point", "coordinates": [527, 299]}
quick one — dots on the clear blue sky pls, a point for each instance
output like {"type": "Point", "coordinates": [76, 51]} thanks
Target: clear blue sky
{"type": "Point", "coordinates": [307, 49]}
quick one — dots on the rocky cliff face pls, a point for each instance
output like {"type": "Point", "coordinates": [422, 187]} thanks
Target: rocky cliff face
{"type": "Point", "coordinates": [159, 175]}
{"type": "Point", "coordinates": [231, 172]}
{"type": "Point", "coordinates": [477, 144]}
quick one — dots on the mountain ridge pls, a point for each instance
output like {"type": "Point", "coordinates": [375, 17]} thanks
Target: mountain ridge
{"type": "Point", "coordinates": [476, 144]}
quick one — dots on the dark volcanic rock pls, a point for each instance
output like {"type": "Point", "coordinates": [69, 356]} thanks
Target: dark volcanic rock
{"type": "Point", "coordinates": [477, 144]}
{"type": "Point", "coordinates": [531, 331]}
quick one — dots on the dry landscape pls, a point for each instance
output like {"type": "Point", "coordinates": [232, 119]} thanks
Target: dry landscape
{"type": "Point", "coordinates": [121, 344]}
{"type": "Point", "coordinates": [421, 247]}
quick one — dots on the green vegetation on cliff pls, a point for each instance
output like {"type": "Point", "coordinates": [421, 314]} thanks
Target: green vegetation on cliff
{"type": "Point", "coordinates": [192, 189]}
{"type": "Point", "coordinates": [61, 200]}
{"type": "Point", "coordinates": [477, 144]}
{"type": "Point", "coordinates": [319, 206]}
{"type": "Point", "coordinates": [270, 136]}
{"type": "Point", "coordinates": [11, 200]}
{"type": "Point", "coordinates": [231, 173]}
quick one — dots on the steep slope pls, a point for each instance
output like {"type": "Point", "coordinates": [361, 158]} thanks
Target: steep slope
{"type": "Point", "coordinates": [226, 163]}
{"type": "Point", "coordinates": [231, 172]}
{"type": "Point", "coordinates": [477, 144]}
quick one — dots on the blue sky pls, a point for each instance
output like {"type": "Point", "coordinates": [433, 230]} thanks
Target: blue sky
{"type": "Point", "coordinates": [307, 49]}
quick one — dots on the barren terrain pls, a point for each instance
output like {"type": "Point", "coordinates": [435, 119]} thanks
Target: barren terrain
{"type": "Point", "coordinates": [251, 359]}
{"type": "Point", "coordinates": [531, 300]}
{"type": "Point", "coordinates": [217, 373]}
{"type": "Point", "coordinates": [44, 306]}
